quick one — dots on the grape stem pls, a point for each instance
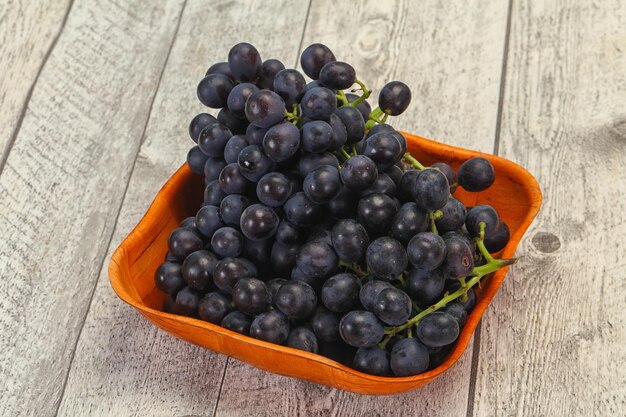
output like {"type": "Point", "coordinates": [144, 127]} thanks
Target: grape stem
{"type": "Point", "coordinates": [414, 162]}
{"type": "Point", "coordinates": [344, 153]}
{"type": "Point", "coordinates": [355, 268]}
{"type": "Point", "coordinates": [434, 215]}
{"type": "Point", "coordinates": [341, 96]}
{"type": "Point", "coordinates": [354, 152]}
{"type": "Point", "coordinates": [364, 96]}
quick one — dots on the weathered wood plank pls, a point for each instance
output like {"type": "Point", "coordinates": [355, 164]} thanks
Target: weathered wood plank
{"type": "Point", "coordinates": [28, 30]}
{"type": "Point", "coordinates": [63, 183]}
{"type": "Point", "coordinates": [553, 342]}
{"type": "Point", "coordinates": [123, 366]}
{"type": "Point", "coordinates": [451, 56]}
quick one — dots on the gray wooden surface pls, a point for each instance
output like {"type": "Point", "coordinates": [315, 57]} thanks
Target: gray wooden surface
{"type": "Point", "coordinates": [95, 97]}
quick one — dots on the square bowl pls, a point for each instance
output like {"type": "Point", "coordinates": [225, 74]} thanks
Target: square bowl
{"type": "Point", "coordinates": [515, 194]}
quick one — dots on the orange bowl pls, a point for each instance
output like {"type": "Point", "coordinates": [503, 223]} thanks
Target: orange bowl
{"type": "Point", "coordinates": [515, 194]}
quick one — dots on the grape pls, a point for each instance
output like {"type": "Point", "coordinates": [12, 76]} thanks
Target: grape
{"type": "Point", "coordinates": [301, 211]}
{"type": "Point", "coordinates": [316, 259]}
{"type": "Point", "coordinates": [271, 326]}
{"type": "Point", "coordinates": [227, 242]}
{"type": "Point", "coordinates": [233, 148]}
{"type": "Point", "coordinates": [273, 285]}
{"type": "Point", "coordinates": [255, 134]}
{"type": "Point", "coordinates": [476, 174]}
{"type": "Point", "coordinates": [245, 62]}
{"type": "Point", "coordinates": [317, 136]}
{"type": "Point", "coordinates": [376, 212]}
{"type": "Point", "coordinates": [214, 307]}
{"type": "Point", "coordinates": [314, 282]}
{"type": "Point", "coordinates": [231, 208]}
{"type": "Point", "coordinates": [498, 239]}
{"type": "Point", "coordinates": [325, 325]}
{"type": "Point", "coordinates": [482, 214]}
{"type": "Point", "coordinates": [344, 205]}
{"type": "Point", "coordinates": [437, 329]}
{"type": "Point", "coordinates": [431, 189]}
{"type": "Point", "coordinates": [271, 67]}
{"type": "Point", "coordinates": [189, 223]}
{"type": "Point", "coordinates": [457, 311]}
{"type": "Point", "coordinates": [361, 329]}
{"type": "Point", "coordinates": [288, 233]}
{"type": "Point", "coordinates": [372, 360]}
{"type": "Point", "coordinates": [358, 172]}
{"type": "Point", "coordinates": [187, 301]}
{"type": "Point", "coordinates": [237, 125]}
{"type": "Point", "coordinates": [258, 251]}
{"type": "Point", "coordinates": [273, 189]}
{"type": "Point", "coordinates": [401, 141]}
{"type": "Point", "coordinates": [168, 278]}
{"type": "Point", "coordinates": [395, 173]}
{"type": "Point", "coordinates": [468, 304]}
{"type": "Point", "coordinates": [387, 258]}
{"type": "Point", "coordinates": [198, 123]}
{"type": "Point", "coordinates": [384, 149]}
{"type": "Point", "coordinates": [369, 292]}
{"type": "Point", "coordinates": [382, 127]}
{"type": "Point", "coordinates": [408, 357]}
{"type": "Point", "coordinates": [259, 222]}
{"type": "Point", "coordinates": [231, 180]}
{"type": "Point", "coordinates": [283, 258]}
{"type": "Point", "coordinates": [208, 220]}
{"type": "Point", "coordinates": [220, 68]}
{"type": "Point", "coordinates": [321, 233]}
{"type": "Point", "coordinates": [196, 160]}
{"type": "Point", "coordinates": [213, 90]}
{"type": "Point", "coordinates": [182, 242]}
{"type": "Point", "coordinates": [449, 173]}
{"type": "Point", "coordinates": [281, 142]}
{"type": "Point", "coordinates": [409, 221]}
{"type": "Point", "coordinates": [353, 121]}
{"type": "Point", "coordinates": [341, 292]}
{"type": "Point", "coordinates": [318, 103]}
{"type": "Point", "coordinates": [213, 167]}
{"type": "Point", "coordinates": [311, 161]}
{"type": "Point", "coordinates": [459, 260]}
{"type": "Point", "coordinates": [237, 98]}
{"type": "Point", "coordinates": [394, 98]}
{"type": "Point", "coordinates": [265, 108]}
{"type": "Point", "coordinates": [314, 57]}
{"type": "Point", "coordinates": [213, 139]}
{"type": "Point", "coordinates": [350, 240]}
{"type": "Point", "coordinates": [254, 163]}
{"type": "Point", "coordinates": [198, 269]}
{"type": "Point", "coordinates": [426, 251]}
{"type": "Point", "coordinates": [453, 216]}
{"type": "Point", "coordinates": [425, 287]}
{"type": "Point", "coordinates": [407, 184]}
{"type": "Point", "coordinates": [303, 338]}
{"type": "Point", "coordinates": [213, 194]}
{"type": "Point", "coordinates": [337, 75]}
{"type": "Point", "coordinates": [393, 306]}
{"type": "Point", "coordinates": [296, 299]}
{"type": "Point", "coordinates": [237, 322]}
{"type": "Point", "coordinates": [290, 85]}
{"type": "Point", "coordinates": [322, 184]}
{"type": "Point", "coordinates": [382, 185]}
{"type": "Point", "coordinates": [251, 296]}
{"type": "Point", "coordinates": [230, 270]}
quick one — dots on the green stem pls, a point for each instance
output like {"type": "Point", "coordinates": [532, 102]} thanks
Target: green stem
{"type": "Point", "coordinates": [409, 333]}
{"type": "Point", "coordinates": [414, 162]}
{"type": "Point", "coordinates": [415, 306]}
{"type": "Point", "coordinates": [354, 152]}
{"type": "Point", "coordinates": [356, 269]}
{"type": "Point", "coordinates": [434, 215]}
{"type": "Point", "coordinates": [364, 96]}
{"type": "Point", "coordinates": [344, 153]}
{"type": "Point", "coordinates": [480, 243]}
{"type": "Point", "coordinates": [402, 280]}
{"type": "Point", "coordinates": [341, 96]}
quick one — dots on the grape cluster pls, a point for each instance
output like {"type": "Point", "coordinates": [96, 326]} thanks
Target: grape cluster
{"type": "Point", "coordinates": [318, 230]}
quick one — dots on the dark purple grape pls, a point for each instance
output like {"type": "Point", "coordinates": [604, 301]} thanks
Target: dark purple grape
{"type": "Point", "coordinates": [361, 329]}
{"type": "Point", "coordinates": [369, 292]}
{"type": "Point", "coordinates": [198, 123]}
{"type": "Point", "coordinates": [265, 108]}
{"type": "Point", "coordinates": [301, 211]}
{"type": "Point", "coordinates": [237, 98]}
{"type": "Point", "coordinates": [212, 168]}
{"type": "Point", "coordinates": [303, 338]}
{"type": "Point", "coordinates": [394, 98]}
{"type": "Point", "coordinates": [318, 103]}
{"type": "Point", "coordinates": [288, 233]}
{"type": "Point", "coordinates": [340, 292]}
{"type": "Point", "coordinates": [449, 173]}
{"type": "Point", "coordinates": [237, 125]}
{"type": "Point", "coordinates": [322, 184]}
{"type": "Point", "coordinates": [482, 214]}
{"type": "Point", "coordinates": [384, 149]}
{"type": "Point", "coordinates": [476, 174]}
{"type": "Point", "coordinates": [214, 307]}
{"type": "Point", "coordinates": [168, 278]}
{"type": "Point", "coordinates": [237, 322]}
{"type": "Point", "coordinates": [182, 242]}
{"type": "Point", "coordinates": [437, 329]}
{"type": "Point", "coordinates": [426, 251]}
{"type": "Point", "coordinates": [283, 258]}
{"type": "Point", "coordinates": [350, 240]}
{"type": "Point", "coordinates": [498, 239]}
{"type": "Point", "coordinates": [259, 222]}
{"type": "Point", "coordinates": [340, 134]}
{"type": "Point", "coordinates": [409, 221]}
{"type": "Point", "coordinates": [386, 258]}
{"type": "Point", "coordinates": [359, 172]}
{"type": "Point", "coordinates": [230, 270]}
{"type": "Point", "coordinates": [425, 287]}
{"type": "Point", "coordinates": [382, 185]}
{"type": "Point", "coordinates": [213, 90]}
{"type": "Point", "coordinates": [220, 68]}
{"type": "Point", "coordinates": [290, 85]}
{"type": "Point", "coordinates": [198, 269]}
{"type": "Point", "coordinates": [208, 220]}
{"type": "Point", "coordinates": [314, 282]}
{"type": "Point", "coordinates": [372, 360]}
{"type": "Point", "coordinates": [363, 107]}
{"type": "Point", "coordinates": [317, 136]}
{"type": "Point", "coordinates": [453, 216]}
{"type": "Point", "coordinates": [376, 212]}
{"type": "Point", "coordinates": [457, 311]}
{"type": "Point", "coordinates": [196, 160]}
{"type": "Point", "coordinates": [255, 134]}
{"type": "Point", "coordinates": [469, 303]}
{"type": "Point", "coordinates": [232, 181]}
{"type": "Point", "coordinates": [314, 57]}
{"type": "Point", "coordinates": [271, 326]}
{"type": "Point", "coordinates": [213, 139]}
{"type": "Point", "coordinates": [311, 161]}
{"type": "Point", "coordinates": [254, 163]}
{"type": "Point", "coordinates": [337, 75]}
{"type": "Point", "coordinates": [459, 261]}
{"type": "Point", "coordinates": [344, 205]}
{"type": "Point", "coordinates": [251, 296]}
{"type": "Point", "coordinates": [227, 242]}
{"type": "Point", "coordinates": [431, 189]}
{"type": "Point", "coordinates": [271, 67]}
{"type": "Point", "coordinates": [325, 325]}
{"type": "Point", "coordinates": [407, 185]}
{"type": "Point", "coordinates": [281, 142]}
{"type": "Point", "coordinates": [187, 301]}
{"type": "Point", "coordinates": [233, 148]}
{"type": "Point", "coordinates": [296, 299]}
{"type": "Point", "coordinates": [273, 189]}
{"type": "Point", "coordinates": [273, 285]}
{"type": "Point", "coordinates": [213, 194]}
{"type": "Point", "coordinates": [409, 357]}
{"type": "Point", "coordinates": [395, 173]}
{"type": "Point", "coordinates": [393, 306]}
{"type": "Point", "coordinates": [317, 259]}
{"type": "Point", "coordinates": [245, 62]}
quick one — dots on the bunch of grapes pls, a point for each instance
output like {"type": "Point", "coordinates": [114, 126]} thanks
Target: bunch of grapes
{"type": "Point", "coordinates": [318, 230]}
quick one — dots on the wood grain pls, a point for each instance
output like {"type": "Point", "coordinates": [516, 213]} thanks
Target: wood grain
{"type": "Point", "coordinates": [28, 30]}
{"type": "Point", "coordinates": [123, 366]}
{"type": "Point", "coordinates": [451, 56]}
{"type": "Point", "coordinates": [63, 183]}
{"type": "Point", "coordinates": [553, 342]}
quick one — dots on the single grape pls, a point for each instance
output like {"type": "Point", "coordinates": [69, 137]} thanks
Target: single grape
{"type": "Point", "coordinates": [273, 285]}
{"type": "Point", "coordinates": [498, 239]}
{"type": "Point", "coordinates": [271, 326]}
{"type": "Point", "coordinates": [476, 174]}
{"type": "Point", "coordinates": [459, 260]}
{"type": "Point", "coordinates": [393, 306]}
{"type": "Point", "coordinates": [437, 329]}
{"type": "Point", "coordinates": [409, 221]}
{"type": "Point", "coordinates": [372, 360]}
{"type": "Point", "coordinates": [198, 269]}
{"type": "Point", "coordinates": [311, 161]}
{"type": "Point", "coordinates": [376, 212]}
{"type": "Point", "coordinates": [255, 134]}
{"type": "Point", "coordinates": [259, 222]}
{"type": "Point", "coordinates": [482, 214]}
{"type": "Point", "coordinates": [370, 290]}
{"type": "Point", "coordinates": [208, 220]}
{"type": "Point", "coordinates": [407, 185]}
{"type": "Point", "coordinates": [322, 184]}
{"type": "Point", "coordinates": [258, 251]}
{"type": "Point", "coordinates": [359, 172]}
{"type": "Point", "coordinates": [317, 259]}
{"type": "Point", "coordinates": [168, 278]}
{"type": "Point", "coordinates": [230, 270]}
{"type": "Point", "coordinates": [213, 194]}
{"type": "Point", "coordinates": [314, 282]}
{"type": "Point", "coordinates": [237, 98]}
{"type": "Point", "coordinates": [426, 251]}
{"type": "Point", "coordinates": [283, 258]}
{"type": "Point", "coordinates": [213, 139]}
{"type": "Point", "coordinates": [384, 149]}
{"type": "Point", "coordinates": [340, 292]}
{"type": "Point", "coordinates": [232, 181]}
{"type": "Point", "coordinates": [288, 233]}
{"type": "Point", "coordinates": [220, 68]}
{"type": "Point", "coordinates": [425, 287]}
{"type": "Point", "coordinates": [198, 123]}
{"type": "Point", "coordinates": [469, 303]}
{"type": "Point", "coordinates": [237, 125]}
{"type": "Point", "coordinates": [361, 329]}
{"type": "Point", "coordinates": [337, 75]}
{"type": "Point", "coordinates": [273, 189]}
{"type": "Point", "coordinates": [231, 208]}
{"type": "Point", "coordinates": [318, 103]}
{"type": "Point", "coordinates": [227, 242]}
{"type": "Point", "coordinates": [353, 120]}
{"type": "Point", "coordinates": [245, 62]}
{"type": "Point", "coordinates": [344, 205]}
{"type": "Point", "coordinates": [457, 311]}
{"type": "Point", "coordinates": [254, 163]}
{"type": "Point", "coordinates": [296, 299]}
{"type": "Point", "coordinates": [214, 307]}
{"type": "Point", "coordinates": [386, 257]}
{"type": "Point", "coordinates": [325, 325]}
{"type": "Point", "coordinates": [395, 173]}
{"type": "Point", "coordinates": [251, 296]}
{"type": "Point", "coordinates": [409, 357]}
{"type": "Point", "coordinates": [382, 185]}
{"type": "Point", "coordinates": [394, 98]}
{"type": "Point", "coordinates": [270, 68]}
{"type": "Point", "coordinates": [187, 301]}
{"type": "Point", "coordinates": [314, 57]}
{"type": "Point", "coordinates": [290, 85]}
{"type": "Point", "coordinates": [214, 89]}
{"type": "Point", "coordinates": [233, 148]}
{"type": "Point", "coordinates": [453, 216]}
{"type": "Point", "coordinates": [317, 136]}
{"type": "Point", "coordinates": [212, 168]}
{"type": "Point", "coordinates": [281, 141]}
{"type": "Point", "coordinates": [350, 240]}
{"type": "Point", "coordinates": [196, 160]}
{"type": "Point", "coordinates": [301, 211]}
{"type": "Point", "coordinates": [431, 189]}
{"type": "Point", "coordinates": [303, 338]}
{"type": "Point", "coordinates": [182, 242]}
{"type": "Point", "coordinates": [237, 322]}
{"type": "Point", "coordinates": [265, 108]}
{"type": "Point", "coordinates": [449, 173]}
{"type": "Point", "coordinates": [189, 223]}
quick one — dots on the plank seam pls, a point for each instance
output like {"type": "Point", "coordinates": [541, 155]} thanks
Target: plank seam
{"type": "Point", "coordinates": [110, 240]}
{"type": "Point", "coordinates": [219, 391]}
{"type": "Point", "coordinates": [18, 126]}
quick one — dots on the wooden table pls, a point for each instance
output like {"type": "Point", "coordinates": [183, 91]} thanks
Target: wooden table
{"type": "Point", "coordinates": [95, 100]}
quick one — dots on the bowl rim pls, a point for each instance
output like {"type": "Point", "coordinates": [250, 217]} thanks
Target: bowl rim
{"type": "Point", "coordinates": [184, 174]}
